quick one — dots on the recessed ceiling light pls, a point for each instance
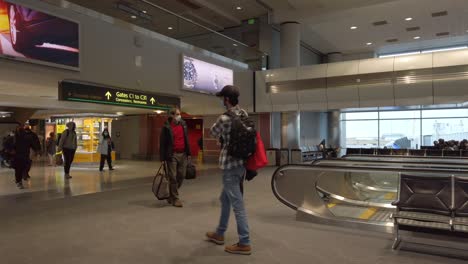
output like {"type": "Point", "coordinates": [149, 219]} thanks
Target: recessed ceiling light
{"type": "Point", "coordinates": [408, 18]}
{"type": "Point", "coordinates": [144, 11]}
{"type": "Point", "coordinates": [353, 27]}
{"type": "Point", "coordinates": [239, 8]}
{"type": "Point", "coordinates": [369, 43]}
{"type": "Point", "coordinates": [417, 37]}
{"type": "Point", "coordinates": [170, 28]}
{"type": "Point", "coordinates": [234, 44]}
{"type": "Point", "coordinates": [133, 17]}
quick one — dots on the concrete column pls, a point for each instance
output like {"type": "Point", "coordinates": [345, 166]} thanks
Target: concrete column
{"type": "Point", "coordinates": [334, 57]}
{"type": "Point", "coordinates": [275, 130]}
{"type": "Point", "coordinates": [334, 129]}
{"type": "Point", "coordinates": [290, 44]}
{"type": "Point", "coordinates": [290, 130]}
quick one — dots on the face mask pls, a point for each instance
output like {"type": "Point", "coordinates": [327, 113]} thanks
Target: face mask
{"type": "Point", "coordinates": [178, 118]}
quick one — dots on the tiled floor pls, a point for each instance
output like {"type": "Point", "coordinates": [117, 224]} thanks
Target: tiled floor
{"type": "Point", "coordinates": [48, 182]}
{"type": "Point", "coordinates": [126, 224]}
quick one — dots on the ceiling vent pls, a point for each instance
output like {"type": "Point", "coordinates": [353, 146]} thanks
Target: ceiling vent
{"type": "Point", "coordinates": [380, 23]}
{"type": "Point", "coordinates": [442, 34]}
{"type": "Point", "coordinates": [190, 4]}
{"type": "Point", "coordinates": [413, 29]}
{"type": "Point", "coordinates": [439, 14]}
{"type": "Point", "coordinates": [392, 40]}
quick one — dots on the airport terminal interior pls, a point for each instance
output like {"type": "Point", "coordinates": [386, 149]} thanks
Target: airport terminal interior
{"type": "Point", "coordinates": [132, 129]}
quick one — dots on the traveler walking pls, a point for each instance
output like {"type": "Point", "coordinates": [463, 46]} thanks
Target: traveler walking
{"type": "Point", "coordinates": [174, 150]}
{"type": "Point", "coordinates": [24, 142]}
{"type": "Point", "coordinates": [37, 146]}
{"type": "Point", "coordinates": [8, 149]}
{"type": "Point", "coordinates": [233, 174]}
{"type": "Point", "coordinates": [68, 145]}
{"type": "Point", "coordinates": [105, 148]}
{"type": "Point", "coordinates": [51, 148]}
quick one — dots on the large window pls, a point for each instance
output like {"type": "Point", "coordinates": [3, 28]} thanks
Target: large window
{"type": "Point", "coordinates": [357, 137]}
{"type": "Point", "coordinates": [403, 129]}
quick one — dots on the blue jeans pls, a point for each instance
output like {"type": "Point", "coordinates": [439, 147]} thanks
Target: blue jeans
{"type": "Point", "coordinates": [232, 196]}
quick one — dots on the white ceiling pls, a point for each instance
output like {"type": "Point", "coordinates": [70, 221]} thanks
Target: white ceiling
{"type": "Point", "coordinates": [326, 23]}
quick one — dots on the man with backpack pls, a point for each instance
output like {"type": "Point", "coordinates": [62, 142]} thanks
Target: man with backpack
{"type": "Point", "coordinates": [237, 134]}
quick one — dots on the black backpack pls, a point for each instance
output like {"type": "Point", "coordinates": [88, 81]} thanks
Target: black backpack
{"type": "Point", "coordinates": [243, 137]}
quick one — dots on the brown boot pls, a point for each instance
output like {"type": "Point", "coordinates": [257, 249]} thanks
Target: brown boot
{"type": "Point", "coordinates": [213, 237]}
{"type": "Point", "coordinates": [239, 249]}
{"type": "Point", "coordinates": [177, 203]}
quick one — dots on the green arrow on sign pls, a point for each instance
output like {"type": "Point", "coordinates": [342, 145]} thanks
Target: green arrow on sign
{"type": "Point", "coordinates": [152, 100]}
{"type": "Point", "coordinates": [108, 95]}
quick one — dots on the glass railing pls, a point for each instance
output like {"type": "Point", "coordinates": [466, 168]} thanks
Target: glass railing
{"type": "Point", "coordinates": [346, 194]}
{"type": "Point", "coordinates": [188, 28]}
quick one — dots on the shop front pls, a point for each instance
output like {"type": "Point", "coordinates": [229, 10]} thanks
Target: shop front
{"type": "Point", "coordinates": [88, 129]}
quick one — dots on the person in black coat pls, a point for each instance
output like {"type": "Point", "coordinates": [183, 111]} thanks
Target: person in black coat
{"type": "Point", "coordinates": [24, 142]}
{"type": "Point", "coordinates": [174, 150]}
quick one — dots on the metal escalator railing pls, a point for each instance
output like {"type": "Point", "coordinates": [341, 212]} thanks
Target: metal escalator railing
{"type": "Point", "coordinates": [408, 159]}
{"type": "Point", "coordinates": [370, 185]}
{"type": "Point", "coordinates": [449, 165]}
{"type": "Point", "coordinates": [344, 195]}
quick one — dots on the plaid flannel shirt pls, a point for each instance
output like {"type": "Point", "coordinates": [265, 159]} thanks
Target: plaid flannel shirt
{"type": "Point", "coordinates": [222, 129]}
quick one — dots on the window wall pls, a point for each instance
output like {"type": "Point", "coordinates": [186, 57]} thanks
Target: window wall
{"type": "Point", "coordinates": [402, 129]}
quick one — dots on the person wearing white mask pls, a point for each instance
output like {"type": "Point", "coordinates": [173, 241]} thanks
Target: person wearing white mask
{"type": "Point", "coordinates": [105, 148]}
{"type": "Point", "coordinates": [174, 150]}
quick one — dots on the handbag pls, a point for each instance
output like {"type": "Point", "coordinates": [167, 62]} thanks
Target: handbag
{"type": "Point", "coordinates": [161, 183]}
{"type": "Point", "coordinates": [59, 159]}
{"type": "Point", "coordinates": [191, 171]}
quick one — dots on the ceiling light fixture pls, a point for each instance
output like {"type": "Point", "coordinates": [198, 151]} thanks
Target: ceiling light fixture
{"type": "Point", "coordinates": [400, 54]}
{"type": "Point", "coordinates": [133, 17]}
{"type": "Point", "coordinates": [239, 8]}
{"type": "Point", "coordinates": [170, 28]}
{"type": "Point", "coordinates": [235, 45]}
{"type": "Point", "coordinates": [353, 27]}
{"type": "Point", "coordinates": [158, 112]}
{"type": "Point", "coordinates": [445, 49]}
{"type": "Point", "coordinates": [369, 43]}
{"type": "Point", "coordinates": [417, 37]}
{"type": "Point", "coordinates": [408, 18]}
{"type": "Point", "coordinates": [144, 11]}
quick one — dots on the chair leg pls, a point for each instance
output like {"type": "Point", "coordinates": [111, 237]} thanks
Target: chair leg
{"type": "Point", "coordinates": [396, 236]}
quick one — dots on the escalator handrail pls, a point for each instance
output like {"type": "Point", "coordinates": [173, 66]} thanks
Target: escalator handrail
{"type": "Point", "coordinates": [331, 168]}
{"type": "Point", "coordinates": [318, 162]}
{"type": "Point", "coordinates": [406, 156]}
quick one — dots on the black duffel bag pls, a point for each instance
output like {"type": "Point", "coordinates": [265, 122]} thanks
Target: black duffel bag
{"type": "Point", "coordinates": [191, 171]}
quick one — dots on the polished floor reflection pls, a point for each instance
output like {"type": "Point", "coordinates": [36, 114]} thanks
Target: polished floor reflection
{"type": "Point", "coordinates": [48, 182]}
{"type": "Point", "coordinates": [128, 225]}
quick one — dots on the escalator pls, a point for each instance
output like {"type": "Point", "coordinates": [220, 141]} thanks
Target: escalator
{"type": "Point", "coordinates": [347, 193]}
{"type": "Point", "coordinates": [419, 159]}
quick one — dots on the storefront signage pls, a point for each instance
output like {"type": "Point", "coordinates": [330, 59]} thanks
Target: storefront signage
{"type": "Point", "coordinates": [93, 93]}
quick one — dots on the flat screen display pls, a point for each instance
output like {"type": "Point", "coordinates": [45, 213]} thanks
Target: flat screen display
{"type": "Point", "coordinates": [204, 77]}
{"type": "Point", "coordinates": [30, 35]}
